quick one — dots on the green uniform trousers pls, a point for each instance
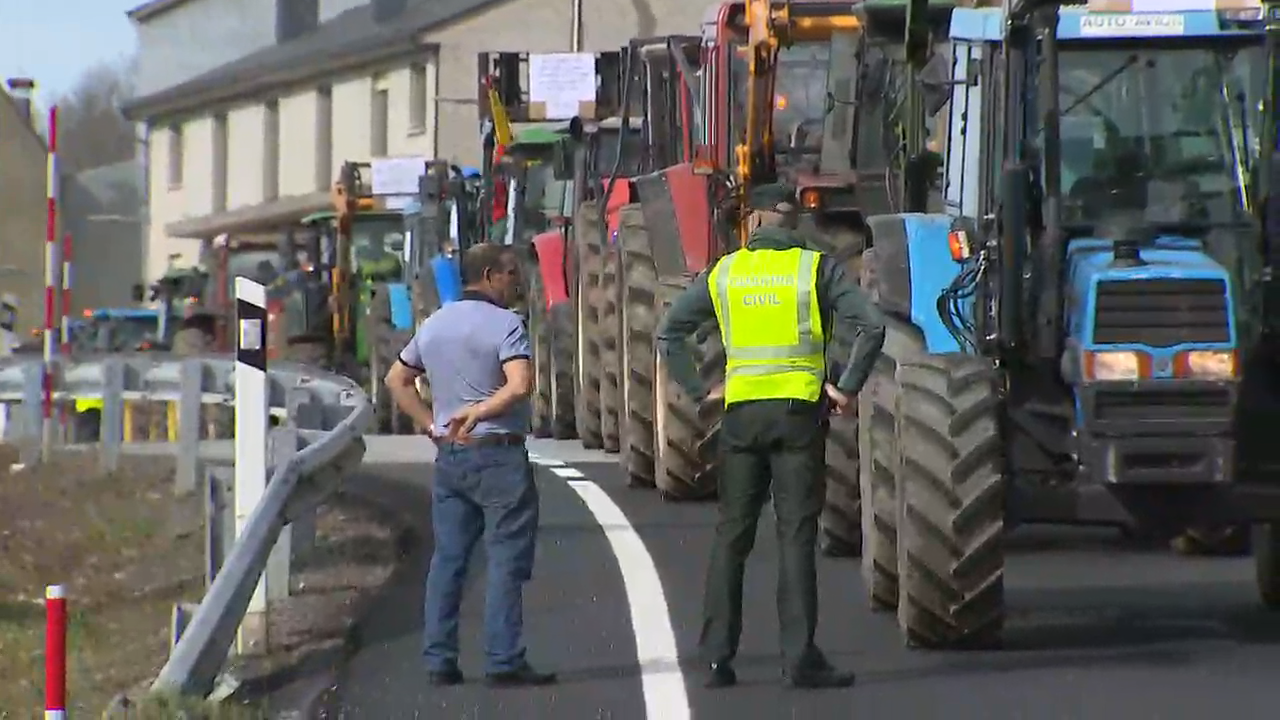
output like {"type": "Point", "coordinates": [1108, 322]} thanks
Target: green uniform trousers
{"type": "Point", "coordinates": [778, 446]}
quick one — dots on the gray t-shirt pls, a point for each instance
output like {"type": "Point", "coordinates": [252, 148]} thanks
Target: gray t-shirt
{"type": "Point", "coordinates": [461, 349]}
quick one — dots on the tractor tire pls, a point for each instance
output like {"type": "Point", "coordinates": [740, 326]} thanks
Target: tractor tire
{"type": "Point", "coordinates": [586, 390]}
{"type": "Point", "coordinates": [1266, 563]}
{"type": "Point", "coordinates": [950, 500]}
{"type": "Point", "coordinates": [540, 338]}
{"type": "Point", "coordinates": [610, 331]}
{"type": "Point", "coordinates": [878, 453]}
{"type": "Point", "coordinates": [639, 351]}
{"type": "Point", "coordinates": [842, 512]}
{"type": "Point", "coordinates": [563, 346]}
{"type": "Point", "coordinates": [685, 444]}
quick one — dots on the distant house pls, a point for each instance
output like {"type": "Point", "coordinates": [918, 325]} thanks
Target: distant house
{"type": "Point", "coordinates": [255, 142]}
{"type": "Point", "coordinates": [23, 169]}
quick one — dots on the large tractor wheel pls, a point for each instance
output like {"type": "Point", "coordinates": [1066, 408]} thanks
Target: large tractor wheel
{"type": "Point", "coordinates": [950, 503]}
{"type": "Point", "coordinates": [377, 324]}
{"type": "Point", "coordinates": [878, 453]}
{"type": "Point", "coordinates": [540, 338]}
{"type": "Point", "coordinates": [685, 444]}
{"type": "Point", "coordinates": [639, 323]}
{"type": "Point", "coordinates": [610, 330]}
{"type": "Point", "coordinates": [586, 391]}
{"type": "Point", "coordinates": [1266, 560]}
{"type": "Point", "coordinates": [563, 346]}
{"type": "Point", "coordinates": [842, 513]}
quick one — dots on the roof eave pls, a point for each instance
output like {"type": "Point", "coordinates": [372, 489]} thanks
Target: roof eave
{"type": "Point", "coordinates": [177, 101]}
{"type": "Point", "coordinates": [148, 10]}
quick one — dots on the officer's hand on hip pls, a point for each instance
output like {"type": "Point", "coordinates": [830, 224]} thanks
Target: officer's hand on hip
{"type": "Point", "coordinates": [839, 401]}
{"type": "Point", "coordinates": [462, 423]}
{"type": "Point", "coordinates": [717, 393]}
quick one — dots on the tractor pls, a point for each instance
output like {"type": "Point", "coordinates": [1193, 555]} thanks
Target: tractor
{"type": "Point", "coordinates": [361, 244]}
{"type": "Point", "coordinates": [530, 202]}
{"type": "Point", "coordinates": [439, 223]}
{"type": "Point", "coordinates": [1086, 335]}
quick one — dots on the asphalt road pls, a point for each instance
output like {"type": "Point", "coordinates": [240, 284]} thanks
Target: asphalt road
{"type": "Point", "coordinates": [1098, 629]}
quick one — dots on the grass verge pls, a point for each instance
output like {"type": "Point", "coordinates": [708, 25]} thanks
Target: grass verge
{"type": "Point", "coordinates": [125, 549]}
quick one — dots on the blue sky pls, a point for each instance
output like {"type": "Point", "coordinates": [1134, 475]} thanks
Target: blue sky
{"type": "Point", "coordinates": [54, 41]}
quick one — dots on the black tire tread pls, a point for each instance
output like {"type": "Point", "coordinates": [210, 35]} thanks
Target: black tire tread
{"type": "Point", "coordinates": [640, 322]}
{"type": "Point", "coordinates": [609, 330]}
{"type": "Point", "coordinates": [950, 503]}
{"type": "Point", "coordinates": [685, 433]}
{"type": "Point", "coordinates": [586, 393]}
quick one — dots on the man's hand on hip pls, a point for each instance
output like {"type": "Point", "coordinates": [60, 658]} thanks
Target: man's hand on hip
{"type": "Point", "coordinates": [839, 401]}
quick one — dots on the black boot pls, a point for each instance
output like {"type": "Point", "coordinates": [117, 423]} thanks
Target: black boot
{"type": "Point", "coordinates": [721, 675]}
{"type": "Point", "coordinates": [522, 676]}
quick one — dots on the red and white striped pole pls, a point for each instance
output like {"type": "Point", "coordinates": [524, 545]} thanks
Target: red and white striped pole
{"type": "Point", "coordinates": [55, 653]}
{"type": "Point", "coordinates": [65, 341]}
{"type": "Point", "coordinates": [52, 266]}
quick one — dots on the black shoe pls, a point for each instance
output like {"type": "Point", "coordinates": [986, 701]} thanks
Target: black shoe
{"type": "Point", "coordinates": [823, 677]}
{"type": "Point", "coordinates": [522, 676]}
{"type": "Point", "coordinates": [721, 675]}
{"type": "Point", "coordinates": [445, 678]}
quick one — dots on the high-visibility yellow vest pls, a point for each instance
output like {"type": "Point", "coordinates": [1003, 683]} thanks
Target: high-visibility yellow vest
{"type": "Point", "coordinates": [766, 302]}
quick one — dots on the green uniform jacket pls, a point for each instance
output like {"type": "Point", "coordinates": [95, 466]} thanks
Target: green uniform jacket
{"type": "Point", "coordinates": [844, 307]}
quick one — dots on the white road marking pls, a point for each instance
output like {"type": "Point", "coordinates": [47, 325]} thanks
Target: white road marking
{"type": "Point", "coordinates": [567, 472]}
{"type": "Point", "coordinates": [549, 462]}
{"type": "Point", "coordinates": [661, 678]}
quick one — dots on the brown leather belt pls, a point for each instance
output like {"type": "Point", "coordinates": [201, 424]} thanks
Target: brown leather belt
{"type": "Point", "coordinates": [495, 440]}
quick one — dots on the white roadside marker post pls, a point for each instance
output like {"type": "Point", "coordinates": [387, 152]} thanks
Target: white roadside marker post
{"type": "Point", "coordinates": [251, 438]}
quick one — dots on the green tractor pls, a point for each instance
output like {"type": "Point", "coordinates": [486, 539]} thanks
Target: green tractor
{"type": "Point", "coordinates": [362, 244]}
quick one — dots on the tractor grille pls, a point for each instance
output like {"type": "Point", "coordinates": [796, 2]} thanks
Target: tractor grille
{"type": "Point", "coordinates": [1161, 313]}
{"type": "Point", "coordinates": [1191, 405]}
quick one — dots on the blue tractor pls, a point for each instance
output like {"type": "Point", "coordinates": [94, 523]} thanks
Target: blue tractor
{"type": "Point", "coordinates": [1085, 335]}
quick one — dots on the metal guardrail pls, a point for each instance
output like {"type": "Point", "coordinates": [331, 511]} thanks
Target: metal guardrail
{"type": "Point", "coordinates": [327, 414]}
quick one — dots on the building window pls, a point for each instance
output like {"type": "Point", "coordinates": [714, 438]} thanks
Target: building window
{"type": "Point", "coordinates": [175, 156]}
{"type": "Point", "coordinates": [417, 98]}
{"type": "Point", "coordinates": [378, 133]}
{"type": "Point", "coordinates": [220, 163]}
{"type": "Point", "coordinates": [324, 137]}
{"type": "Point", "coordinates": [271, 151]}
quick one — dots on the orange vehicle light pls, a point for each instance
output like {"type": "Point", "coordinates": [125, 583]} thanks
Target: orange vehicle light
{"type": "Point", "coordinates": [810, 199]}
{"type": "Point", "coordinates": [780, 102]}
{"type": "Point", "coordinates": [958, 242]}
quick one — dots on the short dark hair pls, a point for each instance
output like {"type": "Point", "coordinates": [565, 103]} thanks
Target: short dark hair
{"type": "Point", "coordinates": [484, 257]}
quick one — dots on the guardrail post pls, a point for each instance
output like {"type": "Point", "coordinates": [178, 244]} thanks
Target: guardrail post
{"type": "Point", "coordinates": [304, 413]}
{"type": "Point", "coordinates": [251, 438]}
{"type": "Point", "coordinates": [111, 434]}
{"type": "Point", "coordinates": [190, 387]}
{"type": "Point", "coordinates": [32, 415]}
{"type": "Point", "coordinates": [220, 521]}
{"type": "Point", "coordinates": [283, 446]}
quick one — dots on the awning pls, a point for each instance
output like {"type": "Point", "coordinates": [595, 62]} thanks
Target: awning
{"type": "Point", "coordinates": [254, 218]}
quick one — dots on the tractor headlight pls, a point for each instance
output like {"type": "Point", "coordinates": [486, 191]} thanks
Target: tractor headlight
{"type": "Point", "coordinates": [1113, 365]}
{"type": "Point", "coordinates": [1207, 364]}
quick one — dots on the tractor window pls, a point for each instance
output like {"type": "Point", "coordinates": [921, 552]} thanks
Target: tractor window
{"type": "Point", "coordinates": [377, 241]}
{"type": "Point", "coordinates": [606, 153]}
{"type": "Point", "coordinates": [799, 95]}
{"type": "Point", "coordinates": [1170, 133]}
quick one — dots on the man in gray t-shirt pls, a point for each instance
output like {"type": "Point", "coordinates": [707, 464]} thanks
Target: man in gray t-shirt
{"type": "Point", "coordinates": [476, 357]}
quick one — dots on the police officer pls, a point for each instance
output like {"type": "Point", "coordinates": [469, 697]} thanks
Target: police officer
{"type": "Point", "coordinates": [777, 303]}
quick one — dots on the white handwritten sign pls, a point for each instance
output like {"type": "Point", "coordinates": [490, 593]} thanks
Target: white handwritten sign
{"type": "Point", "coordinates": [396, 175]}
{"type": "Point", "coordinates": [561, 82]}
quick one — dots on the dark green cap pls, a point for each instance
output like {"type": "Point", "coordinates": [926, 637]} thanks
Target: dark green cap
{"type": "Point", "coordinates": [770, 196]}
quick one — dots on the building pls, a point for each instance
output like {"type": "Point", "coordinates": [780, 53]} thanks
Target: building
{"type": "Point", "coordinates": [259, 139]}
{"type": "Point", "coordinates": [23, 169]}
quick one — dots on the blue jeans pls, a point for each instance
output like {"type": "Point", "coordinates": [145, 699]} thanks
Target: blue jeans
{"type": "Point", "coordinates": [489, 491]}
